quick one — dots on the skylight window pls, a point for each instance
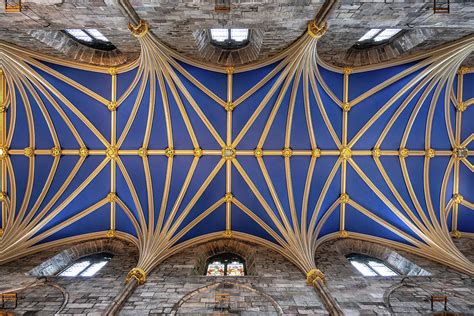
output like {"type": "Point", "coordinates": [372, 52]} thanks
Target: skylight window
{"type": "Point", "coordinates": [386, 34]}
{"type": "Point", "coordinates": [378, 35]}
{"type": "Point", "coordinates": [97, 35]}
{"type": "Point", "coordinates": [229, 38]}
{"type": "Point", "coordinates": [90, 37]}
{"type": "Point", "coordinates": [368, 266]}
{"type": "Point", "coordinates": [220, 35]}
{"type": "Point", "coordinates": [239, 35]}
{"type": "Point", "coordinates": [87, 266]}
{"type": "Point", "coordinates": [80, 35]}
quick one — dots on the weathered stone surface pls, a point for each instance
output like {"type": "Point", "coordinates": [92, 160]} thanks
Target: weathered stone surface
{"type": "Point", "coordinates": [358, 294]}
{"type": "Point", "coordinates": [279, 22]}
{"type": "Point", "coordinates": [179, 284]}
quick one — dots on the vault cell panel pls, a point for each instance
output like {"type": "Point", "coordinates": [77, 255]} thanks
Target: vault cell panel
{"type": "Point", "coordinates": [333, 80]}
{"type": "Point", "coordinates": [299, 127]}
{"type": "Point", "coordinates": [334, 113]}
{"type": "Point", "coordinates": [211, 224]}
{"type": "Point", "coordinates": [102, 81]}
{"type": "Point", "coordinates": [97, 221]}
{"type": "Point", "coordinates": [361, 193]}
{"type": "Point", "coordinates": [244, 81]}
{"type": "Point", "coordinates": [243, 192]}
{"type": "Point", "coordinates": [363, 112]}
{"type": "Point", "coordinates": [362, 82]}
{"type": "Point", "coordinates": [359, 223]}
{"type": "Point", "coordinates": [241, 222]}
{"type": "Point", "coordinates": [214, 81]}
{"type": "Point", "coordinates": [92, 193]}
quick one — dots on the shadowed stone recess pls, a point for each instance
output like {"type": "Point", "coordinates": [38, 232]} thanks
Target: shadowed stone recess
{"type": "Point", "coordinates": [77, 51]}
{"type": "Point", "coordinates": [219, 56]}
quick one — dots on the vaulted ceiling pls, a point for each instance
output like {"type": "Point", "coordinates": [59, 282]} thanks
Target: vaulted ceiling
{"type": "Point", "coordinates": [288, 151]}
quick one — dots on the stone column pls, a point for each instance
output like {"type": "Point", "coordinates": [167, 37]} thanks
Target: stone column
{"type": "Point", "coordinates": [316, 278]}
{"type": "Point", "coordinates": [135, 277]}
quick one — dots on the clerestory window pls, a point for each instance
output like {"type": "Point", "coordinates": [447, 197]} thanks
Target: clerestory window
{"type": "Point", "coordinates": [369, 266]}
{"type": "Point", "coordinates": [226, 264]}
{"type": "Point", "coordinates": [87, 266]}
{"type": "Point", "coordinates": [90, 37]}
{"type": "Point", "coordinates": [230, 38]}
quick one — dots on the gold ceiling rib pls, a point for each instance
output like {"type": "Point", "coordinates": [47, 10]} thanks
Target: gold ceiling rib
{"type": "Point", "coordinates": [296, 240]}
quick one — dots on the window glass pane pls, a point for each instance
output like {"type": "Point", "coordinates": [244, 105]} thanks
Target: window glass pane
{"type": "Point", "coordinates": [92, 269]}
{"type": "Point", "coordinates": [215, 269]}
{"type": "Point", "coordinates": [220, 35]}
{"type": "Point", "coordinates": [235, 269]}
{"type": "Point", "coordinates": [363, 268]}
{"type": "Point", "coordinates": [386, 34]}
{"type": "Point", "coordinates": [381, 269]}
{"type": "Point", "coordinates": [369, 35]}
{"type": "Point", "coordinates": [97, 35]}
{"type": "Point", "coordinates": [239, 35]}
{"type": "Point", "coordinates": [75, 269]}
{"type": "Point", "coordinates": [79, 34]}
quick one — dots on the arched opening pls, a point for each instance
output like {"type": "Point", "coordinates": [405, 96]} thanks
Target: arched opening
{"type": "Point", "coordinates": [87, 266]}
{"type": "Point", "coordinates": [369, 266]}
{"type": "Point", "coordinates": [225, 264]}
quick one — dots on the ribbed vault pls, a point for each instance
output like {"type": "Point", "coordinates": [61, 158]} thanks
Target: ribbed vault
{"type": "Point", "coordinates": [167, 152]}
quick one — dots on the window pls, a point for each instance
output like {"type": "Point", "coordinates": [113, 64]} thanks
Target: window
{"type": "Point", "coordinates": [369, 266]}
{"type": "Point", "coordinates": [90, 37]}
{"type": "Point", "coordinates": [87, 266]}
{"type": "Point", "coordinates": [376, 36]}
{"type": "Point", "coordinates": [230, 38]}
{"type": "Point", "coordinates": [225, 264]}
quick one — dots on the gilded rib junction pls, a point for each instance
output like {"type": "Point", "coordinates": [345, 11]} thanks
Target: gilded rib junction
{"type": "Point", "coordinates": [204, 181]}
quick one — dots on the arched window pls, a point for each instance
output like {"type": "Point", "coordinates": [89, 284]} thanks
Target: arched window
{"type": "Point", "coordinates": [369, 266]}
{"type": "Point", "coordinates": [90, 37]}
{"type": "Point", "coordinates": [87, 266]}
{"type": "Point", "coordinates": [375, 37]}
{"type": "Point", "coordinates": [225, 264]}
{"type": "Point", "coordinates": [229, 38]}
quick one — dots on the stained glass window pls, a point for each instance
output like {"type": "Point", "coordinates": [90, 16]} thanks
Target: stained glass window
{"type": "Point", "coordinates": [225, 264]}
{"type": "Point", "coordinates": [216, 269]}
{"type": "Point", "coordinates": [87, 266]}
{"type": "Point", "coordinates": [369, 266]}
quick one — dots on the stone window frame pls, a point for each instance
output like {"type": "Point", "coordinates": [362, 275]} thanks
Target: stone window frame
{"type": "Point", "coordinates": [228, 57]}
{"type": "Point", "coordinates": [364, 259]}
{"type": "Point", "coordinates": [225, 255]}
{"type": "Point", "coordinates": [222, 246]}
{"type": "Point", "coordinates": [395, 47]}
{"type": "Point", "coordinates": [77, 51]}
{"type": "Point", "coordinates": [68, 256]}
{"type": "Point", "coordinates": [388, 255]}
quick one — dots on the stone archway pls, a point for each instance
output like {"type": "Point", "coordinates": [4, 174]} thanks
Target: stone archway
{"type": "Point", "coordinates": [243, 298]}
{"type": "Point", "coordinates": [63, 259]}
{"type": "Point", "coordinates": [389, 255]}
{"type": "Point", "coordinates": [220, 246]}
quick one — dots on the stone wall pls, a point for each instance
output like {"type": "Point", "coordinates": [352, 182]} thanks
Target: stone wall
{"type": "Point", "coordinates": [401, 295]}
{"type": "Point", "coordinates": [274, 286]}
{"type": "Point", "coordinates": [274, 276]}
{"type": "Point", "coordinates": [278, 23]}
{"type": "Point", "coordinates": [81, 295]}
